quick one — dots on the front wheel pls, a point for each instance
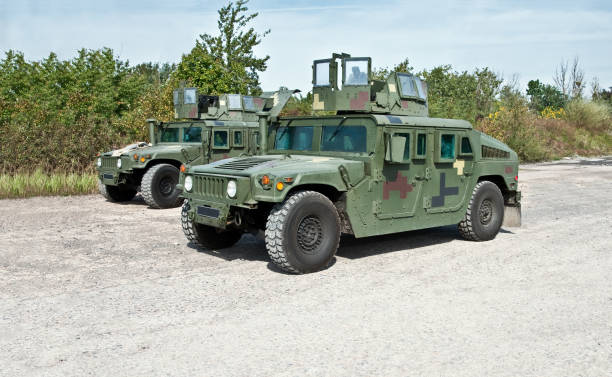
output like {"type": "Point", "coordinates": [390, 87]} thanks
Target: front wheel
{"type": "Point", "coordinates": [207, 237]}
{"type": "Point", "coordinates": [116, 193]}
{"type": "Point", "coordinates": [158, 186]}
{"type": "Point", "coordinates": [303, 232]}
{"type": "Point", "coordinates": [485, 213]}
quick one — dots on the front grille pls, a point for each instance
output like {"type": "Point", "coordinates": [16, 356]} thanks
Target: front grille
{"type": "Point", "coordinates": [209, 186]}
{"type": "Point", "coordinates": [109, 162]}
{"type": "Point", "coordinates": [243, 164]}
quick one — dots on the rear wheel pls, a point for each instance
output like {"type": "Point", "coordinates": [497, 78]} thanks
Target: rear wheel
{"type": "Point", "coordinates": [303, 232]}
{"type": "Point", "coordinates": [158, 186]}
{"type": "Point", "coordinates": [119, 193]}
{"type": "Point", "coordinates": [485, 213]}
{"type": "Point", "coordinates": [207, 237]}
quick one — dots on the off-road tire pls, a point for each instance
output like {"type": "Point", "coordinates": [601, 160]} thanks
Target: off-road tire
{"type": "Point", "coordinates": [158, 186]}
{"type": "Point", "coordinates": [116, 193]}
{"type": "Point", "coordinates": [207, 237]}
{"type": "Point", "coordinates": [485, 213]}
{"type": "Point", "coordinates": [303, 232]}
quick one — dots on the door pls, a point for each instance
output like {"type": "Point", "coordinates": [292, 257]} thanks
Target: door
{"type": "Point", "coordinates": [402, 182]}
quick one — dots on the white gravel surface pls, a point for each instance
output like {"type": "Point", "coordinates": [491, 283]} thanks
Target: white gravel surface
{"type": "Point", "coordinates": [89, 287]}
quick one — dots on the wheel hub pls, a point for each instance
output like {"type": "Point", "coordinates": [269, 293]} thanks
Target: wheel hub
{"type": "Point", "coordinates": [485, 212]}
{"type": "Point", "coordinates": [166, 186]}
{"type": "Point", "coordinates": [309, 234]}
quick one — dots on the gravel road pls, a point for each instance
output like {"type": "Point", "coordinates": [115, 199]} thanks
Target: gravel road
{"type": "Point", "coordinates": [89, 287]}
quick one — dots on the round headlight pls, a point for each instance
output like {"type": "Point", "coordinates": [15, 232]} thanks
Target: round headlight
{"type": "Point", "coordinates": [99, 162]}
{"type": "Point", "coordinates": [231, 189]}
{"type": "Point", "coordinates": [119, 163]}
{"type": "Point", "coordinates": [188, 183]}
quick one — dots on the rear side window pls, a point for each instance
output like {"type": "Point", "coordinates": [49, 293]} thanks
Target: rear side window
{"type": "Point", "coordinates": [466, 148]}
{"type": "Point", "coordinates": [192, 135]}
{"type": "Point", "coordinates": [169, 135]}
{"type": "Point", "coordinates": [406, 146]}
{"type": "Point", "coordinates": [344, 139]}
{"type": "Point", "coordinates": [294, 138]}
{"type": "Point", "coordinates": [421, 145]}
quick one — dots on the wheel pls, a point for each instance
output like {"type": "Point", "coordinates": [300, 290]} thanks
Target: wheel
{"type": "Point", "coordinates": [116, 193]}
{"type": "Point", "coordinates": [485, 213]}
{"type": "Point", "coordinates": [207, 237]}
{"type": "Point", "coordinates": [158, 186]}
{"type": "Point", "coordinates": [303, 232]}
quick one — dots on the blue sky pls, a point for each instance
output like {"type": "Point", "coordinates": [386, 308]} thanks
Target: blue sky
{"type": "Point", "coordinates": [526, 38]}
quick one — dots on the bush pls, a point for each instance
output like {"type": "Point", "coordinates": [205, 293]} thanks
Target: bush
{"type": "Point", "coordinates": [594, 116]}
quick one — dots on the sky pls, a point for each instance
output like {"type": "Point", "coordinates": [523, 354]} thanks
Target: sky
{"type": "Point", "coordinates": [524, 39]}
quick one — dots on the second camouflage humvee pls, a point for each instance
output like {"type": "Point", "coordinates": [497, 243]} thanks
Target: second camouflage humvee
{"type": "Point", "coordinates": [380, 165]}
{"type": "Point", "coordinates": [214, 128]}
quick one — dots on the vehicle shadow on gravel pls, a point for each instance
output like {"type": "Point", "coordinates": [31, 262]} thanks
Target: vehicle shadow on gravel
{"type": "Point", "coordinates": [355, 248]}
{"type": "Point", "coordinates": [249, 248]}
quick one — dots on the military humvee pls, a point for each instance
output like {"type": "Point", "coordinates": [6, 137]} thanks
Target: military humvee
{"type": "Point", "coordinates": [215, 127]}
{"type": "Point", "coordinates": [379, 166]}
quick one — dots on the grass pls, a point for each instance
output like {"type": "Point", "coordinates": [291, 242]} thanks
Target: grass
{"type": "Point", "coordinates": [38, 183]}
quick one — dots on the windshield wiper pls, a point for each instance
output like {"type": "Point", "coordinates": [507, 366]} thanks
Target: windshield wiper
{"type": "Point", "coordinates": [338, 128]}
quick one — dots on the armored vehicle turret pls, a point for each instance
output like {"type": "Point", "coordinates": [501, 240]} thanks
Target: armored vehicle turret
{"type": "Point", "coordinates": [379, 165]}
{"type": "Point", "coordinates": [207, 128]}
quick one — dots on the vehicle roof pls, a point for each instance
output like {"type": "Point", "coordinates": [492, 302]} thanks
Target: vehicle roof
{"type": "Point", "coordinates": [396, 120]}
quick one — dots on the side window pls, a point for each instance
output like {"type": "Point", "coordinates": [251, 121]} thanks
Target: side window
{"type": "Point", "coordinates": [238, 139]}
{"type": "Point", "coordinates": [421, 145]}
{"type": "Point", "coordinates": [466, 147]}
{"type": "Point", "coordinates": [220, 139]}
{"type": "Point", "coordinates": [294, 138]}
{"type": "Point", "coordinates": [170, 135]}
{"type": "Point", "coordinates": [447, 147]}
{"type": "Point", "coordinates": [406, 146]}
{"type": "Point", "coordinates": [344, 139]}
{"type": "Point", "coordinates": [192, 135]}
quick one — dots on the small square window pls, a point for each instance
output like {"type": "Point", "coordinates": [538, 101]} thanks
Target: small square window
{"type": "Point", "coordinates": [190, 96]}
{"type": "Point", "coordinates": [322, 73]}
{"type": "Point", "coordinates": [220, 139]}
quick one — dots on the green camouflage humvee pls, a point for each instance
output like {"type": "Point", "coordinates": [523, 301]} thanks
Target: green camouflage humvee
{"type": "Point", "coordinates": [216, 127]}
{"type": "Point", "coordinates": [379, 166]}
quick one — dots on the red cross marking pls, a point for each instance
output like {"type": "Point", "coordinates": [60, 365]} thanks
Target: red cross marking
{"type": "Point", "coordinates": [400, 184]}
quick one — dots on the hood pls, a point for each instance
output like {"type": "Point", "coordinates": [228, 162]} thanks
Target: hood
{"type": "Point", "coordinates": [277, 165]}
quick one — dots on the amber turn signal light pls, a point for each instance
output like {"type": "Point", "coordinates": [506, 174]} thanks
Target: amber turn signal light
{"type": "Point", "coordinates": [265, 180]}
{"type": "Point", "coordinates": [183, 168]}
{"type": "Point", "coordinates": [142, 159]}
{"type": "Point", "coordinates": [135, 157]}
{"type": "Point", "coordinates": [280, 186]}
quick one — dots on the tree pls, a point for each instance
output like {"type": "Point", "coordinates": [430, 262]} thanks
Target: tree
{"type": "Point", "coordinates": [570, 80]}
{"type": "Point", "coordinates": [383, 72]}
{"type": "Point", "coordinates": [226, 62]}
{"type": "Point", "coordinates": [544, 95]}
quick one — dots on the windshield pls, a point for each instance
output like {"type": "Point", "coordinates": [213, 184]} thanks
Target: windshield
{"type": "Point", "coordinates": [169, 135]}
{"type": "Point", "coordinates": [192, 135]}
{"type": "Point", "coordinates": [294, 138]}
{"type": "Point", "coordinates": [344, 139]}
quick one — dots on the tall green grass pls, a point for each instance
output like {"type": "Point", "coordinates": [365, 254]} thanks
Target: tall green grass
{"type": "Point", "coordinates": [38, 183]}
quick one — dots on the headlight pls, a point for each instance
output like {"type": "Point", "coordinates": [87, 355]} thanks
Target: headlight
{"type": "Point", "coordinates": [99, 162]}
{"type": "Point", "coordinates": [231, 189]}
{"type": "Point", "coordinates": [119, 163]}
{"type": "Point", "coordinates": [188, 183]}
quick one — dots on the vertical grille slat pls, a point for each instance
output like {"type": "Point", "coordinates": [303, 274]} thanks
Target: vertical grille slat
{"type": "Point", "coordinates": [212, 187]}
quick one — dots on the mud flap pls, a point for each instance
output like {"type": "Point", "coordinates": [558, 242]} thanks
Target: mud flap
{"type": "Point", "coordinates": [512, 216]}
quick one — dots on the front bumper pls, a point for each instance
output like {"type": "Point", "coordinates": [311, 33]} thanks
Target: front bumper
{"type": "Point", "coordinates": [209, 213]}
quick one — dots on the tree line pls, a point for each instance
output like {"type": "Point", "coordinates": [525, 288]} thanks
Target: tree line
{"type": "Point", "coordinates": [57, 114]}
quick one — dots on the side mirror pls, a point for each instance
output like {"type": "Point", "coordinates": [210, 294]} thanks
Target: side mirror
{"type": "Point", "coordinates": [395, 145]}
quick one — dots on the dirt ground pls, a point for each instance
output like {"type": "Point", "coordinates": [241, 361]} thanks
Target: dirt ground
{"type": "Point", "coordinates": [89, 287]}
